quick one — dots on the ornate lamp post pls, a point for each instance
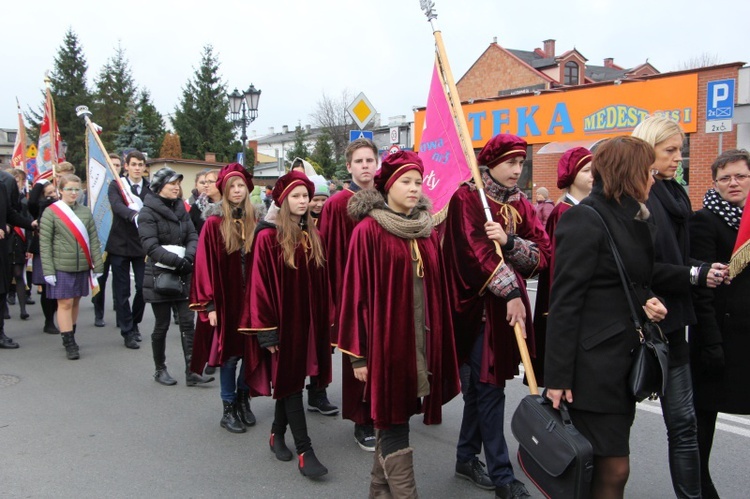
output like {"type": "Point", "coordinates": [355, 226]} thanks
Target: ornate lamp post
{"type": "Point", "coordinates": [244, 109]}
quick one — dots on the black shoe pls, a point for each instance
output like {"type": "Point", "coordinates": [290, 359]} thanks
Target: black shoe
{"type": "Point", "coordinates": [364, 435]}
{"type": "Point", "coordinates": [71, 348]}
{"type": "Point", "coordinates": [29, 301]}
{"type": "Point", "coordinates": [24, 316]}
{"type": "Point", "coordinates": [11, 299]}
{"type": "Point", "coordinates": [162, 376]}
{"type": "Point", "coordinates": [317, 400]}
{"type": "Point", "coordinates": [131, 343]}
{"type": "Point", "coordinates": [137, 333]}
{"type": "Point", "coordinates": [6, 342]}
{"type": "Point", "coordinates": [209, 370]}
{"type": "Point", "coordinates": [243, 408]}
{"type": "Point", "coordinates": [50, 328]}
{"type": "Point", "coordinates": [278, 447]}
{"type": "Point", "coordinates": [99, 322]}
{"type": "Point", "coordinates": [229, 419]}
{"type": "Point", "coordinates": [513, 490]}
{"type": "Point", "coordinates": [192, 379]}
{"type": "Point", "coordinates": [476, 472]}
{"type": "Point", "coordinates": [309, 465]}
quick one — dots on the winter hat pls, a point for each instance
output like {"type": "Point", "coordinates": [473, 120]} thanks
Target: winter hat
{"type": "Point", "coordinates": [321, 189]}
{"type": "Point", "coordinates": [570, 164]}
{"type": "Point", "coordinates": [163, 177]}
{"type": "Point", "coordinates": [543, 191]}
{"type": "Point", "coordinates": [286, 183]}
{"type": "Point", "coordinates": [501, 148]}
{"type": "Point", "coordinates": [395, 165]}
{"type": "Point", "coordinates": [233, 170]}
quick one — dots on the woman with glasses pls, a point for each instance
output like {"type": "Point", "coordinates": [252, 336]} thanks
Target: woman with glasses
{"type": "Point", "coordinates": [70, 250]}
{"type": "Point", "coordinates": [719, 342]}
{"type": "Point", "coordinates": [675, 274]}
{"type": "Point", "coordinates": [209, 197]}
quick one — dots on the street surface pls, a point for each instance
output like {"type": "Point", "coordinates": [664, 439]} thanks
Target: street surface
{"type": "Point", "coordinates": [101, 427]}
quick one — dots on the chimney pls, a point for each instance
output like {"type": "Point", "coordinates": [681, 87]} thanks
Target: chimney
{"type": "Point", "coordinates": [210, 157]}
{"type": "Point", "coordinates": [253, 144]}
{"type": "Point", "coordinates": [270, 130]}
{"type": "Point", "coordinates": [549, 48]}
{"type": "Point", "coordinates": [285, 129]}
{"type": "Point", "coordinates": [609, 62]}
{"type": "Point", "coordinates": [494, 40]}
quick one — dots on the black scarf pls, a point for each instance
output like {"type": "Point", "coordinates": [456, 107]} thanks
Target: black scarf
{"type": "Point", "coordinates": [730, 213]}
{"type": "Point", "coordinates": [670, 206]}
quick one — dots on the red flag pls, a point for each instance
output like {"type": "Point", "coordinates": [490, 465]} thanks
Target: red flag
{"type": "Point", "coordinates": [49, 141]}
{"type": "Point", "coordinates": [741, 253]}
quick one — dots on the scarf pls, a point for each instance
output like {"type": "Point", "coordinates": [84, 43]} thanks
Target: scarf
{"type": "Point", "coordinates": [416, 226]}
{"type": "Point", "coordinates": [730, 213]}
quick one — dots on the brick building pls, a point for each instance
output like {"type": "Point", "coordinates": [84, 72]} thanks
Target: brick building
{"type": "Point", "coordinates": [559, 102]}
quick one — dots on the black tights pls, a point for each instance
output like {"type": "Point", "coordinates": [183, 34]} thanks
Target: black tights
{"type": "Point", "coordinates": [706, 429]}
{"type": "Point", "coordinates": [289, 411]}
{"type": "Point", "coordinates": [18, 270]}
{"type": "Point", "coordinates": [610, 476]}
{"type": "Point", "coordinates": [49, 306]}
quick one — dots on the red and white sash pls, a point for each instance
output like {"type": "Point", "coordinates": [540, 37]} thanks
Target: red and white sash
{"type": "Point", "coordinates": [76, 227]}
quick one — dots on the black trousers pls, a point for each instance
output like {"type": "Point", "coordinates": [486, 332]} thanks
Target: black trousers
{"type": "Point", "coordinates": [98, 299]}
{"type": "Point", "coordinates": [289, 412]}
{"type": "Point", "coordinates": [127, 318]}
{"type": "Point", "coordinates": [162, 320]}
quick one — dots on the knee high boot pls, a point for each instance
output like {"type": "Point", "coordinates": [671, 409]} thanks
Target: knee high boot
{"type": "Point", "coordinates": [379, 488]}
{"type": "Point", "coordinates": [191, 378]}
{"type": "Point", "coordinates": [399, 471]}
{"type": "Point", "coordinates": [159, 350]}
{"type": "Point", "coordinates": [49, 307]}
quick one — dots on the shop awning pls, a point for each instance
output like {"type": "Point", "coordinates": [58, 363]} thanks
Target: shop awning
{"type": "Point", "coordinates": [561, 147]}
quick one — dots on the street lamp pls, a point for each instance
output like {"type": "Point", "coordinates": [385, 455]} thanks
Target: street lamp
{"type": "Point", "coordinates": [244, 109]}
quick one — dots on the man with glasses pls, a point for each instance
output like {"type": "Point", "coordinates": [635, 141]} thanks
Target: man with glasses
{"type": "Point", "coordinates": [124, 248]}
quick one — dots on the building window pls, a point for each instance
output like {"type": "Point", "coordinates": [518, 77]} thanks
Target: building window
{"type": "Point", "coordinates": [11, 136]}
{"type": "Point", "coordinates": [571, 73]}
{"type": "Point", "coordinates": [683, 171]}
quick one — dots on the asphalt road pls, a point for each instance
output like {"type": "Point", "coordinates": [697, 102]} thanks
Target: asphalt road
{"type": "Point", "coordinates": [101, 427]}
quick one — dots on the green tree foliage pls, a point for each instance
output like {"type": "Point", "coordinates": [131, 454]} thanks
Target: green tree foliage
{"type": "Point", "coordinates": [152, 121]}
{"type": "Point", "coordinates": [201, 118]}
{"type": "Point", "coordinates": [323, 156]}
{"type": "Point", "coordinates": [114, 97]}
{"type": "Point", "coordinates": [132, 135]}
{"type": "Point", "coordinates": [170, 147]}
{"type": "Point", "coordinates": [69, 90]}
{"type": "Point", "coordinates": [300, 148]}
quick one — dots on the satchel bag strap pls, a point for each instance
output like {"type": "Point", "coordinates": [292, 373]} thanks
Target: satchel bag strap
{"type": "Point", "coordinates": [626, 283]}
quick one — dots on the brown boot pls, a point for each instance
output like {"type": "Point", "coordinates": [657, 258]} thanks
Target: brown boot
{"type": "Point", "coordinates": [378, 484]}
{"type": "Point", "coordinates": [399, 471]}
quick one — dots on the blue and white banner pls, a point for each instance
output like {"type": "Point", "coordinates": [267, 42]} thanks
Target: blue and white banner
{"type": "Point", "coordinates": [99, 177]}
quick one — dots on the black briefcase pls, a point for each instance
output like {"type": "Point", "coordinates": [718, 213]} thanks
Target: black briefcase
{"type": "Point", "coordinates": [552, 453]}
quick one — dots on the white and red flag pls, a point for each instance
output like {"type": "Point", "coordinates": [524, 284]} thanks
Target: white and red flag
{"type": "Point", "coordinates": [49, 141]}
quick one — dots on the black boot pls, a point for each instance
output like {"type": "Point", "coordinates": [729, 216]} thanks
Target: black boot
{"type": "Point", "coordinates": [69, 342]}
{"type": "Point", "coordinates": [162, 376]}
{"type": "Point", "coordinates": [278, 447]}
{"type": "Point", "coordinates": [309, 465]}
{"type": "Point", "coordinates": [159, 348]}
{"type": "Point", "coordinates": [243, 408]}
{"type": "Point", "coordinates": [230, 420]}
{"type": "Point", "coordinates": [48, 308]}
{"type": "Point", "coordinates": [191, 378]}
{"type": "Point", "coordinates": [317, 400]}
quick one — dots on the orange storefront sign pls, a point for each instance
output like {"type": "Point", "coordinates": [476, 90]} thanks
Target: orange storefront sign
{"type": "Point", "coordinates": [581, 113]}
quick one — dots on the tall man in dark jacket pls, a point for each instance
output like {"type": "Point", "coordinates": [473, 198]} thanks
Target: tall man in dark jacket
{"type": "Point", "coordinates": [124, 248]}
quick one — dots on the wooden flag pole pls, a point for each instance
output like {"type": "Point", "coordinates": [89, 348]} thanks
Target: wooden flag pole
{"type": "Point", "coordinates": [428, 6]}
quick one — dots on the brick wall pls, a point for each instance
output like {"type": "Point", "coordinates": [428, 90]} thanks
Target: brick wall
{"type": "Point", "coordinates": [496, 69]}
{"type": "Point", "coordinates": [545, 172]}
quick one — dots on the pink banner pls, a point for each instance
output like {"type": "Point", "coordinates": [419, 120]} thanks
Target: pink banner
{"type": "Point", "coordinates": [445, 166]}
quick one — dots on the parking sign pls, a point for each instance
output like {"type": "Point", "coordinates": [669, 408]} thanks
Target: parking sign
{"type": "Point", "coordinates": [720, 100]}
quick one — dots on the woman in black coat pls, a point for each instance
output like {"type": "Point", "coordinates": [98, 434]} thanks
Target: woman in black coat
{"type": "Point", "coordinates": [670, 211]}
{"type": "Point", "coordinates": [170, 241]}
{"type": "Point", "coordinates": [720, 341]}
{"type": "Point", "coordinates": [590, 331]}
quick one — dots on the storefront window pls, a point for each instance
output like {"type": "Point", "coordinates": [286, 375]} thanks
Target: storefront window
{"type": "Point", "coordinates": [683, 171]}
{"type": "Point", "coordinates": [525, 181]}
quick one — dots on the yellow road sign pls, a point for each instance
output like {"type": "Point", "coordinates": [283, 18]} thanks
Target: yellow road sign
{"type": "Point", "coordinates": [361, 110]}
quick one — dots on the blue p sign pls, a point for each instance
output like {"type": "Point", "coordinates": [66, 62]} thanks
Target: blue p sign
{"type": "Point", "coordinates": [720, 100]}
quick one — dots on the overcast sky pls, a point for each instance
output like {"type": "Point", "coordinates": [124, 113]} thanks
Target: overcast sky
{"type": "Point", "coordinates": [294, 50]}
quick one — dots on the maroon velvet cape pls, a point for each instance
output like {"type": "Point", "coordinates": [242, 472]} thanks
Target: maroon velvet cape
{"type": "Point", "coordinates": [217, 279]}
{"type": "Point", "coordinates": [470, 262]}
{"type": "Point", "coordinates": [544, 285]}
{"type": "Point", "coordinates": [377, 322]}
{"type": "Point", "coordinates": [336, 227]}
{"type": "Point", "coordinates": [296, 303]}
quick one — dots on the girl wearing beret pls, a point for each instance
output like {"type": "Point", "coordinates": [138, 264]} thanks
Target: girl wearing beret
{"type": "Point", "coordinates": [488, 297]}
{"type": "Point", "coordinates": [222, 273]}
{"type": "Point", "coordinates": [289, 316]}
{"type": "Point", "coordinates": [395, 317]}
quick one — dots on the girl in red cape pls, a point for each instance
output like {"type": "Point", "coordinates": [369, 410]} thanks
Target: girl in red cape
{"type": "Point", "coordinates": [395, 317]}
{"type": "Point", "coordinates": [288, 315]}
{"type": "Point", "coordinates": [222, 272]}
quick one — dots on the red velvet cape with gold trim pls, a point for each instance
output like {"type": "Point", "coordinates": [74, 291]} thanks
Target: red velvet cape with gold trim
{"type": "Point", "coordinates": [377, 322]}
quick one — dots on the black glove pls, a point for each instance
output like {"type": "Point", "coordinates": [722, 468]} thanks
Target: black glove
{"type": "Point", "coordinates": [268, 338]}
{"type": "Point", "coordinates": [712, 361]}
{"type": "Point", "coordinates": [185, 267]}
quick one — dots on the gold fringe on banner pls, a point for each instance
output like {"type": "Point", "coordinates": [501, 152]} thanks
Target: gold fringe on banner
{"type": "Point", "coordinates": [740, 260]}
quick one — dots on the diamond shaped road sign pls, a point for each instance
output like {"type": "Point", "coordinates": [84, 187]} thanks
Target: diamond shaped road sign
{"type": "Point", "coordinates": [361, 110]}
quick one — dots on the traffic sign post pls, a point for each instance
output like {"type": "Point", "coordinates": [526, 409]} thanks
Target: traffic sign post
{"type": "Point", "coordinates": [395, 135]}
{"type": "Point", "coordinates": [394, 149]}
{"type": "Point", "coordinates": [720, 108]}
{"type": "Point", "coordinates": [360, 134]}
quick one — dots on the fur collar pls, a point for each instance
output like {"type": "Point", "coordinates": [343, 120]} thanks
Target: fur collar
{"type": "Point", "coordinates": [366, 200]}
{"type": "Point", "coordinates": [212, 209]}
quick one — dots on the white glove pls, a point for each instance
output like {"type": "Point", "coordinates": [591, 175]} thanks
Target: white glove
{"type": "Point", "coordinates": [51, 280]}
{"type": "Point", "coordinates": [134, 207]}
{"type": "Point", "coordinates": [135, 221]}
{"type": "Point", "coordinates": [97, 276]}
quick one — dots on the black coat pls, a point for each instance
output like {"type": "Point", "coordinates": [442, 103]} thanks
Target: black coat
{"type": "Point", "coordinates": [162, 223]}
{"type": "Point", "coordinates": [10, 214]}
{"type": "Point", "coordinates": [123, 236]}
{"type": "Point", "coordinates": [590, 331]}
{"type": "Point", "coordinates": [723, 318]}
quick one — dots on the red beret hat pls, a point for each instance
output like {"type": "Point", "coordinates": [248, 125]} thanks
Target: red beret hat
{"type": "Point", "coordinates": [395, 165]}
{"type": "Point", "coordinates": [501, 148]}
{"type": "Point", "coordinates": [287, 183]}
{"type": "Point", "coordinates": [233, 170]}
{"type": "Point", "coordinates": [570, 164]}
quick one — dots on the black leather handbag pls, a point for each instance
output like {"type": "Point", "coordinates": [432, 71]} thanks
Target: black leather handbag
{"type": "Point", "coordinates": [650, 365]}
{"type": "Point", "coordinates": [168, 284]}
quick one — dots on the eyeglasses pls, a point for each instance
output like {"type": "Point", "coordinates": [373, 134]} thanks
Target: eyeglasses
{"type": "Point", "coordinates": [210, 181]}
{"type": "Point", "coordinates": [71, 189]}
{"type": "Point", "coordinates": [727, 179]}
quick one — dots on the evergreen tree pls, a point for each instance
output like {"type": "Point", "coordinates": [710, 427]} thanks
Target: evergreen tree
{"type": "Point", "coordinates": [153, 122]}
{"type": "Point", "coordinates": [170, 146]}
{"type": "Point", "coordinates": [323, 155]}
{"type": "Point", "coordinates": [202, 117]}
{"type": "Point", "coordinates": [300, 148]}
{"type": "Point", "coordinates": [132, 135]}
{"type": "Point", "coordinates": [114, 96]}
{"type": "Point", "coordinates": [69, 89]}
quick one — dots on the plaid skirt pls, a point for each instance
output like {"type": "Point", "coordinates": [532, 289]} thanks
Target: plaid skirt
{"type": "Point", "coordinates": [69, 285]}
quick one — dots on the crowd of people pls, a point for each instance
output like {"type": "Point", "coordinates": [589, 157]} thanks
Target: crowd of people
{"type": "Point", "coordinates": [267, 285]}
